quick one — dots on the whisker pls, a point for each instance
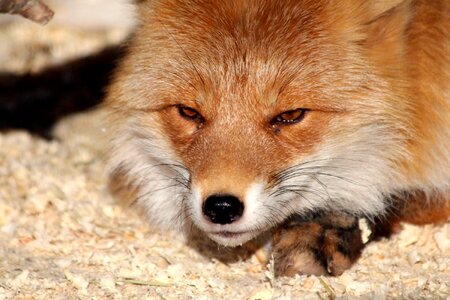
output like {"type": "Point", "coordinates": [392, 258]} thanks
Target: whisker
{"type": "Point", "coordinates": [286, 173]}
{"type": "Point", "coordinates": [297, 190]}
{"type": "Point", "coordinates": [301, 173]}
{"type": "Point", "coordinates": [323, 185]}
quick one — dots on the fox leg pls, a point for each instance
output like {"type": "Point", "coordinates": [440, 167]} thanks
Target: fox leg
{"type": "Point", "coordinates": [326, 244]}
{"type": "Point", "coordinates": [414, 208]}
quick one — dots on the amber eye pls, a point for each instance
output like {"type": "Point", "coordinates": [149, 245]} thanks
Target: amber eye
{"type": "Point", "coordinates": [189, 113]}
{"type": "Point", "coordinates": [290, 117]}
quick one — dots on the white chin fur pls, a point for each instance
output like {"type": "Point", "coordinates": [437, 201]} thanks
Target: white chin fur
{"type": "Point", "coordinates": [232, 240]}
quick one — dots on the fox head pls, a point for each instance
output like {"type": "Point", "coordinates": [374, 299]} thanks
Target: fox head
{"type": "Point", "coordinates": [232, 116]}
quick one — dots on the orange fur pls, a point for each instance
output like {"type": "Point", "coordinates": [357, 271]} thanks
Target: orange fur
{"type": "Point", "coordinates": [373, 76]}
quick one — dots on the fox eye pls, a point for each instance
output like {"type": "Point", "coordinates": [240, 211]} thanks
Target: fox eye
{"type": "Point", "coordinates": [190, 113]}
{"type": "Point", "coordinates": [290, 117]}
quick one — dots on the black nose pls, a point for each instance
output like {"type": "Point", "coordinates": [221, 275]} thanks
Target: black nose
{"type": "Point", "coordinates": [223, 209]}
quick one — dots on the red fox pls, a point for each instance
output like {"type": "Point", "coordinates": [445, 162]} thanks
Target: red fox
{"type": "Point", "coordinates": [295, 117]}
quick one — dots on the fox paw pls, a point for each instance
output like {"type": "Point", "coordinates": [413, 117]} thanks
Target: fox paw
{"type": "Point", "coordinates": [327, 244]}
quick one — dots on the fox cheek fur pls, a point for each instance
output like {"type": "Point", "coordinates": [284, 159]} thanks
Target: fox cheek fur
{"type": "Point", "coordinates": [368, 132]}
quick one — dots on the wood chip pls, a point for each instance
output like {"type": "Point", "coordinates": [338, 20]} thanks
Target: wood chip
{"type": "Point", "coordinates": [442, 239]}
{"type": "Point", "coordinates": [20, 279]}
{"type": "Point", "coordinates": [365, 230]}
{"type": "Point", "coordinates": [108, 282]}
{"type": "Point", "coordinates": [263, 256]}
{"type": "Point", "coordinates": [78, 281]}
{"type": "Point", "coordinates": [262, 294]}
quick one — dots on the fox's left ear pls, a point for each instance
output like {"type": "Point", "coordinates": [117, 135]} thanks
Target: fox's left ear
{"type": "Point", "coordinates": [370, 22]}
{"type": "Point", "coordinates": [378, 8]}
{"type": "Point", "coordinates": [386, 29]}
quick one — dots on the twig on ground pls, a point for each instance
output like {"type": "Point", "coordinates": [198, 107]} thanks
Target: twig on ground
{"type": "Point", "coordinates": [34, 10]}
{"type": "Point", "coordinates": [142, 282]}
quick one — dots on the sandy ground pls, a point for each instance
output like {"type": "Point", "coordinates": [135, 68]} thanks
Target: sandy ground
{"type": "Point", "coordinates": [63, 237]}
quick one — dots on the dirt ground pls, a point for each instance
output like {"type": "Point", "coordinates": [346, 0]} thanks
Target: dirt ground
{"type": "Point", "coordinates": [63, 237]}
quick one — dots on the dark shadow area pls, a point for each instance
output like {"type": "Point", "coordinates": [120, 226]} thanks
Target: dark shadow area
{"type": "Point", "coordinates": [35, 102]}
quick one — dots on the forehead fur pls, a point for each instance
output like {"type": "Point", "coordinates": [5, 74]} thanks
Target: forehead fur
{"type": "Point", "coordinates": [242, 46]}
{"type": "Point", "coordinates": [251, 50]}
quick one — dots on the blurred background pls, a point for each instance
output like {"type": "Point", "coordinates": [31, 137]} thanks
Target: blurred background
{"type": "Point", "coordinates": [50, 71]}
